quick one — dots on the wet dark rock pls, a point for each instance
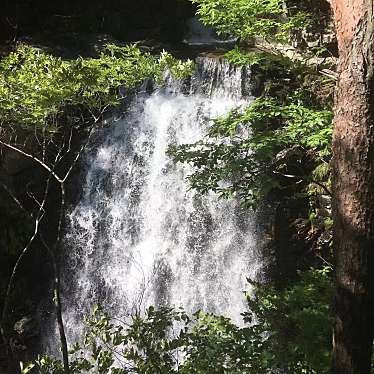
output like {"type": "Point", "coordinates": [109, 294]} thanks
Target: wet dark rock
{"type": "Point", "coordinates": [64, 22]}
{"type": "Point", "coordinates": [26, 328]}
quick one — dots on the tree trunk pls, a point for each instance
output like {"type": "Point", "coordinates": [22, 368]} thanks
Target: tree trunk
{"type": "Point", "coordinates": [353, 188]}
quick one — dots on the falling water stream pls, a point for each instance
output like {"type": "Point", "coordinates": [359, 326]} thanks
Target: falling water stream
{"type": "Point", "coordinates": [139, 236]}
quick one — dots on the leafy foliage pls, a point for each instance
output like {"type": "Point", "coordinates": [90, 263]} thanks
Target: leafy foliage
{"type": "Point", "coordinates": [46, 105]}
{"type": "Point", "coordinates": [146, 345]}
{"type": "Point", "coordinates": [283, 76]}
{"type": "Point", "coordinates": [37, 89]}
{"type": "Point", "coordinates": [251, 18]}
{"type": "Point", "coordinates": [264, 60]}
{"type": "Point", "coordinates": [216, 345]}
{"type": "Point", "coordinates": [294, 317]}
{"type": "Point", "coordinates": [248, 153]}
{"type": "Point", "coordinates": [280, 327]}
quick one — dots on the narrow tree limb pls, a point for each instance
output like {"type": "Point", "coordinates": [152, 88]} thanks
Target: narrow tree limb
{"type": "Point", "coordinates": [38, 218]}
{"type": "Point", "coordinates": [77, 156]}
{"type": "Point", "coordinates": [14, 198]}
{"type": "Point", "coordinates": [36, 159]}
{"type": "Point", "coordinates": [58, 305]}
{"type": "Point", "coordinates": [41, 212]}
{"type": "Point", "coordinates": [305, 179]}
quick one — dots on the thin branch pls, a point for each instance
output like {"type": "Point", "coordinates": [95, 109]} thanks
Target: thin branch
{"type": "Point", "coordinates": [70, 139]}
{"type": "Point", "coordinates": [78, 155]}
{"type": "Point", "coordinates": [58, 304]}
{"type": "Point", "coordinates": [36, 159]}
{"type": "Point", "coordinates": [305, 179]}
{"type": "Point", "coordinates": [38, 218]}
{"type": "Point", "coordinates": [14, 198]}
{"type": "Point", "coordinates": [325, 261]}
{"type": "Point", "coordinates": [333, 75]}
{"type": "Point", "coordinates": [31, 195]}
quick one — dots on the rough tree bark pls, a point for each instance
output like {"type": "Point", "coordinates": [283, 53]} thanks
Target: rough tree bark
{"type": "Point", "coordinates": [353, 188]}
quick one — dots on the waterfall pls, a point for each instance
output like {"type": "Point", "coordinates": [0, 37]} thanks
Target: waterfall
{"type": "Point", "coordinates": [139, 236]}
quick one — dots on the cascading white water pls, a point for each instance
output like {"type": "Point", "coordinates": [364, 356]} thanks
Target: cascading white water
{"type": "Point", "coordinates": [138, 236]}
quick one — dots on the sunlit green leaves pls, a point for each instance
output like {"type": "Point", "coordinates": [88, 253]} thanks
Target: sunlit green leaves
{"type": "Point", "coordinates": [36, 88]}
{"type": "Point", "coordinates": [293, 318]}
{"type": "Point", "coordinates": [251, 18]}
{"type": "Point", "coordinates": [244, 151]}
{"type": "Point", "coordinates": [281, 324]}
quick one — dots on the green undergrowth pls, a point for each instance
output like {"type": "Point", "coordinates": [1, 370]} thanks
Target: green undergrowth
{"type": "Point", "coordinates": [284, 330]}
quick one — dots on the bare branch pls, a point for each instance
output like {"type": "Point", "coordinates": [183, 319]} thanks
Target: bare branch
{"type": "Point", "coordinates": [38, 218]}
{"type": "Point", "coordinates": [36, 159]}
{"type": "Point", "coordinates": [305, 179]}
{"type": "Point", "coordinates": [14, 198]}
{"type": "Point", "coordinates": [78, 155]}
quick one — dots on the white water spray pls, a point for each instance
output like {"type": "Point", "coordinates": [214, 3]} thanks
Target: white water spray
{"type": "Point", "coordinates": [138, 236]}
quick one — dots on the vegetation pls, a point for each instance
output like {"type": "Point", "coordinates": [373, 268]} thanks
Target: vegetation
{"type": "Point", "coordinates": [45, 103]}
{"type": "Point", "coordinates": [278, 147]}
{"type": "Point", "coordinates": [252, 18]}
{"type": "Point", "coordinates": [38, 89]}
{"type": "Point", "coordinates": [246, 154]}
{"type": "Point", "coordinates": [279, 328]}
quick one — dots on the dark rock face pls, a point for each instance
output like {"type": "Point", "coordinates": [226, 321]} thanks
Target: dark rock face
{"type": "Point", "coordinates": [26, 328]}
{"type": "Point", "coordinates": [124, 20]}
{"type": "Point", "coordinates": [25, 334]}
{"type": "Point", "coordinates": [292, 252]}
